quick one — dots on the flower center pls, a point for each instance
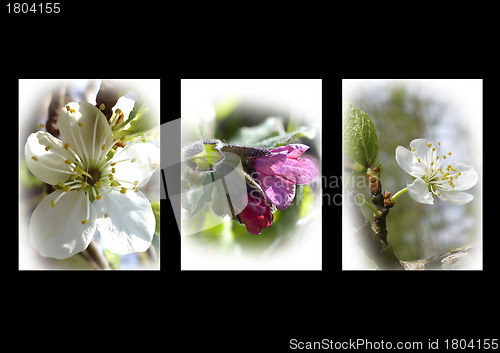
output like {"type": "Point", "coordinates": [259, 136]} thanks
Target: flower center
{"type": "Point", "coordinates": [436, 176]}
{"type": "Point", "coordinates": [95, 174]}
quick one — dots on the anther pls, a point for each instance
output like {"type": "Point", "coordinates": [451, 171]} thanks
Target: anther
{"type": "Point", "coordinates": [412, 149]}
{"type": "Point", "coordinates": [34, 158]}
{"type": "Point", "coordinates": [41, 126]}
{"type": "Point", "coordinates": [433, 149]}
{"type": "Point", "coordinates": [85, 221]}
{"type": "Point", "coordinates": [68, 108]}
{"type": "Point", "coordinates": [85, 184]}
{"type": "Point", "coordinates": [102, 106]}
{"type": "Point", "coordinates": [429, 144]}
{"type": "Point", "coordinates": [439, 143]}
{"type": "Point", "coordinates": [449, 153]}
{"type": "Point", "coordinates": [155, 165]}
{"type": "Point", "coordinates": [66, 188]}
{"type": "Point", "coordinates": [67, 146]}
{"type": "Point", "coordinates": [52, 203]}
{"type": "Point", "coordinates": [113, 170]}
{"type": "Point", "coordinates": [444, 156]}
{"type": "Point", "coordinates": [48, 147]}
{"type": "Point", "coordinates": [68, 162]}
{"type": "Point", "coordinates": [98, 197]}
{"type": "Point", "coordinates": [114, 183]}
{"type": "Point", "coordinates": [132, 160]}
{"type": "Point", "coordinates": [80, 124]}
{"type": "Point", "coordinates": [123, 190]}
{"type": "Point", "coordinates": [61, 184]}
{"type": "Point", "coordinates": [103, 147]}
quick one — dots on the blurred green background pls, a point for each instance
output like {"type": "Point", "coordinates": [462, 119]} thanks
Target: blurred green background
{"type": "Point", "coordinates": [406, 110]}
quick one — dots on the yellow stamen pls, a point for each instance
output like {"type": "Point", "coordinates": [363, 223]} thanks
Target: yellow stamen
{"type": "Point", "coordinates": [123, 190]}
{"type": "Point", "coordinates": [66, 188]}
{"type": "Point", "coordinates": [449, 153]}
{"type": "Point", "coordinates": [98, 197]}
{"type": "Point", "coordinates": [68, 162]}
{"type": "Point", "coordinates": [99, 183]}
{"type": "Point", "coordinates": [85, 221]}
{"type": "Point", "coordinates": [133, 160]}
{"type": "Point", "coordinates": [444, 156]}
{"type": "Point", "coordinates": [155, 165]}
{"type": "Point", "coordinates": [103, 147]}
{"type": "Point", "coordinates": [85, 184]}
{"type": "Point", "coordinates": [114, 183]}
{"type": "Point", "coordinates": [41, 126]}
{"type": "Point", "coordinates": [412, 149]}
{"type": "Point", "coordinates": [68, 108]}
{"type": "Point", "coordinates": [113, 170]}
{"type": "Point", "coordinates": [439, 143]}
{"type": "Point", "coordinates": [80, 124]}
{"type": "Point", "coordinates": [61, 184]}
{"type": "Point", "coordinates": [102, 106]}
{"type": "Point", "coordinates": [48, 147]}
{"type": "Point", "coordinates": [52, 203]}
{"type": "Point", "coordinates": [67, 146]}
{"type": "Point", "coordinates": [34, 158]}
{"type": "Point", "coordinates": [429, 144]}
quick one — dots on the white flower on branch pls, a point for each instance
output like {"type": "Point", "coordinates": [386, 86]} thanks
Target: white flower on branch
{"type": "Point", "coordinates": [96, 189]}
{"type": "Point", "coordinates": [432, 177]}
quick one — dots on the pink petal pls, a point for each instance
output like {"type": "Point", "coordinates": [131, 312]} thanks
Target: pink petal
{"type": "Point", "coordinates": [278, 190]}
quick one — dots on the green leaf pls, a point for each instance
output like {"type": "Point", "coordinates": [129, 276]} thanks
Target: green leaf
{"type": "Point", "coordinates": [359, 136]}
{"type": "Point", "coordinates": [251, 136]}
{"type": "Point", "coordinates": [284, 139]}
{"type": "Point", "coordinates": [140, 120]}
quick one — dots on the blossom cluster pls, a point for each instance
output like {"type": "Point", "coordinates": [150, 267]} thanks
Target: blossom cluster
{"type": "Point", "coordinates": [277, 174]}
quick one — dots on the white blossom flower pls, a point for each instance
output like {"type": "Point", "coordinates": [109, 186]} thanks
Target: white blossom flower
{"type": "Point", "coordinates": [431, 177]}
{"type": "Point", "coordinates": [94, 191]}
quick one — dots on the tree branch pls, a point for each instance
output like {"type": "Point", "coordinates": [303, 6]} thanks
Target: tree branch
{"type": "Point", "coordinates": [460, 258]}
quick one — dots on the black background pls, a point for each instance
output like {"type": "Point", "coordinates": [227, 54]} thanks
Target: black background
{"type": "Point", "coordinates": [229, 310]}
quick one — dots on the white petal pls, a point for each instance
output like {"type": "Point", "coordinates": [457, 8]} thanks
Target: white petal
{"type": "Point", "coordinates": [126, 222]}
{"type": "Point", "coordinates": [58, 231]}
{"type": "Point", "coordinates": [143, 155]}
{"type": "Point", "coordinates": [419, 191]}
{"type": "Point", "coordinates": [455, 197]}
{"type": "Point", "coordinates": [48, 167]}
{"type": "Point", "coordinates": [468, 177]}
{"type": "Point", "coordinates": [409, 163]}
{"type": "Point", "coordinates": [420, 146]}
{"type": "Point", "coordinates": [86, 140]}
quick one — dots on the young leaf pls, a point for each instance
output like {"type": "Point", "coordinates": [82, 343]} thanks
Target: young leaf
{"type": "Point", "coordinates": [359, 136]}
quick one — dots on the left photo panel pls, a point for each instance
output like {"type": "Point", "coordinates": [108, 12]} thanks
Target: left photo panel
{"type": "Point", "coordinates": [89, 181]}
